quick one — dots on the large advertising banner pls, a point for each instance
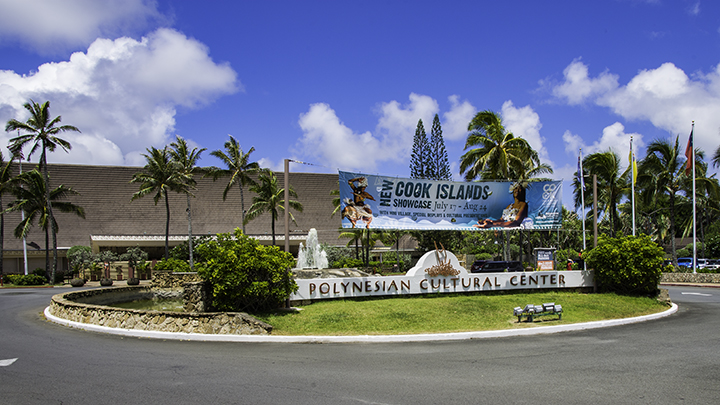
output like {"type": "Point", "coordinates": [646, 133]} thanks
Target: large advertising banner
{"type": "Point", "coordinates": [382, 202]}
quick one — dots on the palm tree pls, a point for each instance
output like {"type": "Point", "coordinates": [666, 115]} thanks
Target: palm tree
{"type": "Point", "coordinates": [269, 199]}
{"type": "Point", "coordinates": [716, 157]}
{"type": "Point", "coordinates": [187, 162]}
{"type": "Point", "coordinates": [496, 153]}
{"type": "Point", "coordinates": [662, 172]}
{"type": "Point", "coordinates": [160, 175]}
{"type": "Point", "coordinates": [239, 169]}
{"type": "Point", "coordinates": [42, 132]}
{"type": "Point", "coordinates": [611, 185]}
{"type": "Point", "coordinates": [30, 197]}
{"type": "Point", "coordinates": [6, 183]}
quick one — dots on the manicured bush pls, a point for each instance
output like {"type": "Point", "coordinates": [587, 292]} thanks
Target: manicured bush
{"type": "Point", "coordinates": [628, 265]}
{"type": "Point", "coordinates": [22, 279]}
{"type": "Point", "coordinates": [245, 275]}
{"type": "Point", "coordinates": [174, 265]}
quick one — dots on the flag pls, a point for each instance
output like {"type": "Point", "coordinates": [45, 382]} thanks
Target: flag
{"type": "Point", "coordinates": [580, 179]}
{"type": "Point", "coordinates": [633, 163]}
{"type": "Point", "coordinates": [689, 153]}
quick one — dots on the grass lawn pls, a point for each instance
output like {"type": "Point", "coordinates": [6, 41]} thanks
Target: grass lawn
{"type": "Point", "coordinates": [450, 313]}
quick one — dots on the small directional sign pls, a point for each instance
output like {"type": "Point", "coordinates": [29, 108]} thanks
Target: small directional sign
{"type": "Point", "coordinates": [7, 362]}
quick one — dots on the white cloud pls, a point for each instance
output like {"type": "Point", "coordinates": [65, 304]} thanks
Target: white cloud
{"type": "Point", "coordinates": [327, 139]}
{"type": "Point", "coordinates": [455, 122]}
{"type": "Point", "coordinates": [613, 137]}
{"type": "Point", "coordinates": [578, 87]}
{"type": "Point", "coordinates": [524, 122]}
{"type": "Point", "coordinates": [666, 97]}
{"type": "Point", "coordinates": [47, 25]}
{"type": "Point", "coordinates": [121, 93]}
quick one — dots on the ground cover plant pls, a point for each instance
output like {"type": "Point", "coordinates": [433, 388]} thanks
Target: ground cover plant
{"type": "Point", "coordinates": [450, 313]}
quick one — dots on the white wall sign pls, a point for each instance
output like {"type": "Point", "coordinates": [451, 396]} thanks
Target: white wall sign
{"type": "Point", "coordinates": [437, 272]}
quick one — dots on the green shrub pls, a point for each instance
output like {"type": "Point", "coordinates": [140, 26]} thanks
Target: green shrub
{"type": "Point", "coordinates": [174, 265]}
{"type": "Point", "coordinates": [245, 275]}
{"type": "Point", "coordinates": [627, 265]}
{"type": "Point", "coordinates": [21, 279]}
{"type": "Point", "coordinates": [348, 263]}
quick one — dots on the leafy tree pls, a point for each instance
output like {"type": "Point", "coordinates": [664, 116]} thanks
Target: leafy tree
{"type": "Point", "coordinates": [628, 265]}
{"type": "Point", "coordinates": [182, 251]}
{"type": "Point", "coordinates": [160, 175]}
{"type": "Point", "coordinates": [662, 172]}
{"type": "Point", "coordinates": [239, 169]}
{"type": "Point", "coordinates": [7, 181]}
{"type": "Point", "coordinates": [135, 257]}
{"type": "Point", "coordinates": [270, 199]}
{"type": "Point", "coordinates": [105, 259]}
{"type": "Point", "coordinates": [41, 132]}
{"type": "Point", "coordinates": [494, 152]}
{"type": "Point", "coordinates": [438, 154]}
{"type": "Point", "coordinates": [245, 275]}
{"type": "Point", "coordinates": [80, 257]}
{"type": "Point", "coordinates": [420, 164]}
{"type": "Point", "coordinates": [187, 162]}
{"type": "Point", "coordinates": [30, 196]}
{"type": "Point", "coordinates": [612, 184]}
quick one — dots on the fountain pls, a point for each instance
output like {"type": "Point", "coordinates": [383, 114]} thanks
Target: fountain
{"type": "Point", "coordinates": [311, 256]}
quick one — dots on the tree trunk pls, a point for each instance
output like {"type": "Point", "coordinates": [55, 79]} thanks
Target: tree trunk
{"type": "Point", "coordinates": [167, 226]}
{"type": "Point", "coordinates": [672, 228]}
{"type": "Point", "coordinates": [2, 239]}
{"type": "Point", "coordinates": [242, 209]}
{"type": "Point", "coordinates": [51, 218]}
{"type": "Point", "coordinates": [272, 226]}
{"type": "Point", "coordinates": [190, 238]}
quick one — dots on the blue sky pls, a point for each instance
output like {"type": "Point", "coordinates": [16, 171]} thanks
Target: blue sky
{"type": "Point", "coordinates": [342, 84]}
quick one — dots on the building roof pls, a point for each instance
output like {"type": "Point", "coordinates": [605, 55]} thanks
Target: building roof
{"type": "Point", "coordinates": [105, 194]}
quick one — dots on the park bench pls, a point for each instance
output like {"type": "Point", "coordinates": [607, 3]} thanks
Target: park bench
{"type": "Point", "coordinates": [531, 311]}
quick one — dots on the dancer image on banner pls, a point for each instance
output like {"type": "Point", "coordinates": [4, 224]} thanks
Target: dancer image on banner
{"type": "Point", "coordinates": [356, 209]}
{"type": "Point", "coordinates": [513, 215]}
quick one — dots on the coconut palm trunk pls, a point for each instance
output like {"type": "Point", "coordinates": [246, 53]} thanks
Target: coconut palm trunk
{"type": "Point", "coordinates": [190, 237]}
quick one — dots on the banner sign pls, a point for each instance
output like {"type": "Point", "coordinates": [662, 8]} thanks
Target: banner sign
{"type": "Point", "coordinates": [381, 202]}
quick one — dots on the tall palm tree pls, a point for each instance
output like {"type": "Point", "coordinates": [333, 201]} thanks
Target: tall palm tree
{"type": "Point", "coordinates": [187, 160]}
{"type": "Point", "coordinates": [270, 199]}
{"type": "Point", "coordinates": [716, 157]}
{"type": "Point", "coordinates": [662, 172]}
{"type": "Point", "coordinates": [30, 196]}
{"type": "Point", "coordinates": [41, 131]}
{"type": "Point", "coordinates": [6, 183]}
{"type": "Point", "coordinates": [239, 169]}
{"type": "Point", "coordinates": [160, 175]}
{"type": "Point", "coordinates": [612, 183]}
{"type": "Point", "coordinates": [495, 153]}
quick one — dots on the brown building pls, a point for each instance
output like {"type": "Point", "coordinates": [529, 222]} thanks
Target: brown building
{"type": "Point", "coordinates": [113, 221]}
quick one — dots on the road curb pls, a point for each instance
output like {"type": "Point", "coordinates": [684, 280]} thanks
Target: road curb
{"type": "Point", "coordinates": [427, 337]}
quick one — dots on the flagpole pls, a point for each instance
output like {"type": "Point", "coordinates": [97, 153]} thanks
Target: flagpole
{"type": "Point", "coordinates": [694, 202]}
{"type": "Point", "coordinates": [632, 182]}
{"type": "Point", "coordinates": [581, 176]}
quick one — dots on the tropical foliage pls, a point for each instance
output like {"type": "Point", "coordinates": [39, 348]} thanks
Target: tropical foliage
{"type": "Point", "coordinates": [31, 197]}
{"type": "Point", "coordinates": [244, 275]}
{"type": "Point", "coordinates": [270, 198]}
{"type": "Point", "coordinates": [161, 175]}
{"type": "Point", "coordinates": [239, 170]}
{"type": "Point", "coordinates": [42, 132]}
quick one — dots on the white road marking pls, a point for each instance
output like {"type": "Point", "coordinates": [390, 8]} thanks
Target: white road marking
{"type": "Point", "coordinates": [700, 294]}
{"type": "Point", "coordinates": [7, 362]}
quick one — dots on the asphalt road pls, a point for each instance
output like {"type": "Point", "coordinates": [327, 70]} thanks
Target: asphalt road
{"type": "Point", "coordinates": [672, 360]}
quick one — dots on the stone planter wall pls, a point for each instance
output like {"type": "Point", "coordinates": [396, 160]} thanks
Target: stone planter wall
{"type": "Point", "coordinates": [167, 279]}
{"type": "Point", "coordinates": [700, 278]}
{"type": "Point", "coordinates": [83, 307]}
